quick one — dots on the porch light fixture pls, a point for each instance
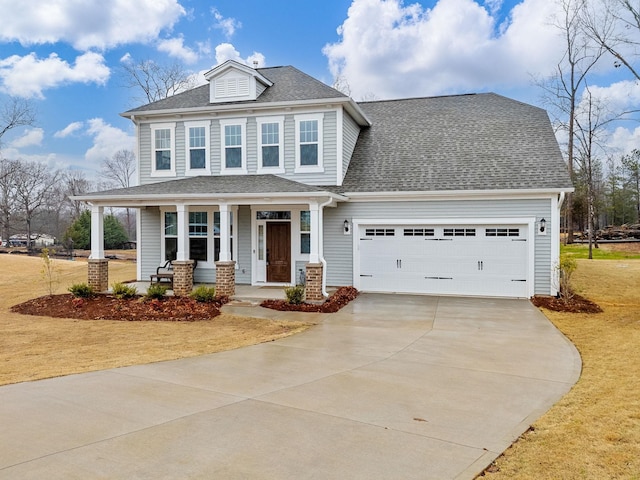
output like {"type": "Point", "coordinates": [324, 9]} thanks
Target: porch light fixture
{"type": "Point", "coordinates": [347, 227]}
{"type": "Point", "coordinates": [542, 227]}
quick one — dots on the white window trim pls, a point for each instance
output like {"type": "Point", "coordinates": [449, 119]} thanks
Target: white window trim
{"type": "Point", "coordinates": [319, 117]}
{"type": "Point", "coordinates": [207, 150]}
{"type": "Point", "coordinates": [243, 168]}
{"type": "Point", "coordinates": [210, 233]}
{"type": "Point", "coordinates": [172, 171]}
{"type": "Point", "coordinates": [280, 121]}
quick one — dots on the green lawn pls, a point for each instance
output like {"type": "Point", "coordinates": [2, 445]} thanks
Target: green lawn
{"type": "Point", "coordinates": [602, 253]}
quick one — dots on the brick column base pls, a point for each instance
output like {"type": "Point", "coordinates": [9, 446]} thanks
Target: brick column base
{"type": "Point", "coordinates": [313, 287]}
{"type": "Point", "coordinates": [182, 277]}
{"type": "Point", "coordinates": [98, 277]}
{"type": "Point", "coordinates": [226, 278]}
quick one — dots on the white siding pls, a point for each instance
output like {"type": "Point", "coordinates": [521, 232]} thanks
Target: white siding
{"type": "Point", "coordinates": [338, 248]}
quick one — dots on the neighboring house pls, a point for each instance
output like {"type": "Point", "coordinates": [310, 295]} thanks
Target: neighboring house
{"type": "Point", "coordinates": [37, 240]}
{"type": "Point", "coordinates": [265, 176]}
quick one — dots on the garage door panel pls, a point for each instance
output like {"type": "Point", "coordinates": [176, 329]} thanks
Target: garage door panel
{"type": "Point", "coordinates": [465, 260]}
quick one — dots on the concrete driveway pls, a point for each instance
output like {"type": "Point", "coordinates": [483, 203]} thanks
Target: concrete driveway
{"type": "Point", "coordinates": [395, 387]}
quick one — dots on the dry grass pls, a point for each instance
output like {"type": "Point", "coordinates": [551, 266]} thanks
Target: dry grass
{"type": "Point", "coordinates": [32, 348]}
{"type": "Point", "coordinates": [594, 431]}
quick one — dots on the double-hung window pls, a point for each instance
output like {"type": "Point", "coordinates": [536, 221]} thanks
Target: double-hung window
{"type": "Point", "coordinates": [197, 147]}
{"type": "Point", "coordinates": [203, 241]}
{"type": "Point", "coordinates": [170, 235]}
{"type": "Point", "coordinates": [233, 155]}
{"type": "Point", "coordinates": [163, 150]}
{"type": "Point", "coordinates": [270, 146]}
{"type": "Point", "coordinates": [198, 228]}
{"type": "Point", "coordinates": [309, 143]}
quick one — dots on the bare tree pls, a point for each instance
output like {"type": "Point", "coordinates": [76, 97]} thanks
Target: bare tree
{"type": "Point", "coordinates": [33, 190]}
{"type": "Point", "coordinates": [615, 26]}
{"type": "Point", "coordinates": [631, 168]}
{"type": "Point", "coordinates": [119, 169]}
{"type": "Point", "coordinates": [562, 90]}
{"type": "Point", "coordinates": [156, 81]}
{"type": "Point", "coordinates": [16, 112]}
{"type": "Point", "coordinates": [592, 118]}
{"type": "Point", "coordinates": [75, 183]}
{"type": "Point", "coordinates": [8, 170]}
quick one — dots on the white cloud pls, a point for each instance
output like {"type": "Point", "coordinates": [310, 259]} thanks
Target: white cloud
{"type": "Point", "coordinates": [28, 76]}
{"type": "Point", "coordinates": [624, 140]}
{"type": "Point", "coordinates": [85, 25]}
{"type": "Point", "coordinates": [32, 136]}
{"type": "Point", "coordinates": [227, 25]}
{"type": "Point", "coordinates": [392, 50]}
{"type": "Point", "coordinates": [107, 140]}
{"type": "Point", "coordinates": [226, 51]}
{"type": "Point", "coordinates": [175, 47]}
{"type": "Point", "coordinates": [68, 130]}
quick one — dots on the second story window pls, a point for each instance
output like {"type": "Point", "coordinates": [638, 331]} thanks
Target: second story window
{"type": "Point", "coordinates": [270, 148]}
{"type": "Point", "coordinates": [197, 143]}
{"type": "Point", "coordinates": [163, 156]}
{"type": "Point", "coordinates": [233, 146]}
{"type": "Point", "coordinates": [309, 143]}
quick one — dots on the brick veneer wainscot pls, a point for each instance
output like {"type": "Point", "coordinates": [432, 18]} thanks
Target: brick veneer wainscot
{"type": "Point", "coordinates": [226, 278]}
{"type": "Point", "coordinates": [182, 277]}
{"type": "Point", "coordinates": [98, 274]}
{"type": "Point", "coordinates": [313, 287]}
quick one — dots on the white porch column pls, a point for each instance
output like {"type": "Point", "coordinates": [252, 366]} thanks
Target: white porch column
{"type": "Point", "coordinates": [97, 232]}
{"type": "Point", "coordinates": [225, 233]}
{"type": "Point", "coordinates": [183, 233]}
{"type": "Point", "coordinates": [314, 253]}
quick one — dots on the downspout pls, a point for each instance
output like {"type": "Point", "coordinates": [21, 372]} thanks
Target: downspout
{"type": "Point", "coordinates": [561, 200]}
{"type": "Point", "coordinates": [321, 246]}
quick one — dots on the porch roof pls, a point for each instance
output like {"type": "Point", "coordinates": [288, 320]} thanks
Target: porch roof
{"type": "Point", "coordinates": [238, 189]}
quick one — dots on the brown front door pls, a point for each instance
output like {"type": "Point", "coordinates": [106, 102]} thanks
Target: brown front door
{"type": "Point", "coordinates": [278, 252]}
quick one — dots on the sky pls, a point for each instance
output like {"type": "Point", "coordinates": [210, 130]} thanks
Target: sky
{"type": "Point", "coordinates": [66, 57]}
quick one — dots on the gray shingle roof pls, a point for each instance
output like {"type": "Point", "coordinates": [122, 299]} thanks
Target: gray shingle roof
{"type": "Point", "coordinates": [289, 84]}
{"type": "Point", "coordinates": [465, 142]}
{"type": "Point", "coordinates": [207, 185]}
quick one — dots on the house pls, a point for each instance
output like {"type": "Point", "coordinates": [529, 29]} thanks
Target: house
{"type": "Point", "coordinates": [37, 240]}
{"type": "Point", "coordinates": [266, 176]}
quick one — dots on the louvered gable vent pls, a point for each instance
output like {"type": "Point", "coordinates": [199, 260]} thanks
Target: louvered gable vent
{"type": "Point", "coordinates": [232, 87]}
{"type": "Point", "coordinates": [232, 81]}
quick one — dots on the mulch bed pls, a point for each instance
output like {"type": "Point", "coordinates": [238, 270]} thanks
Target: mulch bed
{"type": "Point", "coordinates": [108, 307]}
{"type": "Point", "coordinates": [335, 302]}
{"type": "Point", "coordinates": [577, 304]}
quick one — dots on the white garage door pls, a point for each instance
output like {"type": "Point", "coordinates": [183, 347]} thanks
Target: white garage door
{"type": "Point", "coordinates": [484, 260]}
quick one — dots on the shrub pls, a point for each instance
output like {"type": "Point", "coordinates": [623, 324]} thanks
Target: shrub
{"type": "Point", "coordinates": [120, 290]}
{"type": "Point", "coordinates": [566, 267]}
{"type": "Point", "coordinates": [156, 291]}
{"type": "Point", "coordinates": [81, 290]}
{"type": "Point", "coordinates": [204, 294]}
{"type": "Point", "coordinates": [295, 294]}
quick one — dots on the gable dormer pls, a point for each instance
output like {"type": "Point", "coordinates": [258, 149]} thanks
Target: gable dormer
{"type": "Point", "coordinates": [235, 82]}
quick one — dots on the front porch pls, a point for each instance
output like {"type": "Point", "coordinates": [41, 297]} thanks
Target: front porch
{"type": "Point", "coordinates": [260, 230]}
